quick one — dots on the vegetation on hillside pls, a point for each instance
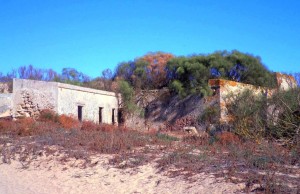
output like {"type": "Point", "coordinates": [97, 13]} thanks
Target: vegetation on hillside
{"type": "Point", "coordinates": [189, 75]}
{"type": "Point", "coordinates": [183, 75]}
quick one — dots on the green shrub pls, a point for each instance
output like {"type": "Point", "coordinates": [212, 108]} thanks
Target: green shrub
{"type": "Point", "coordinates": [276, 117]}
{"type": "Point", "coordinates": [48, 115]}
{"type": "Point", "coordinates": [177, 86]}
{"type": "Point", "coordinates": [166, 137]}
{"type": "Point", "coordinates": [127, 93]}
{"type": "Point", "coordinates": [248, 113]}
{"type": "Point", "coordinates": [210, 115]}
{"type": "Point", "coordinates": [284, 116]}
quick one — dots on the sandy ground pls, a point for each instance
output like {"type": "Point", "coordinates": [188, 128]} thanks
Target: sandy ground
{"type": "Point", "coordinates": [46, 175]}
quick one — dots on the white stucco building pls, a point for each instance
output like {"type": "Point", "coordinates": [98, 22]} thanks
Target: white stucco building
{"type": "Point", "coordinates": [29, 97]}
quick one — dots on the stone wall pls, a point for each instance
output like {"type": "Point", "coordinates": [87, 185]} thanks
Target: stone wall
{"type": "Point", "coordinates": [226, 88]}
{"type": "Point", "coordinates": [31, 96]}
{"type": "Point", "coordinates": [285, 82]}
{"type": "Point", "coordinates": [145, 99]}
{"type": "Point", "coordinates": [164, 111]}
{"type": "Point", "coordinates": [5, 105]}
{"type": "Point", "coordinates": [91, 100]}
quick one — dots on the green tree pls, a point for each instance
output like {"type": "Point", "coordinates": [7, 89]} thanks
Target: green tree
{"type": "Point", "coordinates": [127, 93]}
{"type": "Point", "coordinates": [146, 72]}
{"type": "Point", "coordinates": [194, 72]}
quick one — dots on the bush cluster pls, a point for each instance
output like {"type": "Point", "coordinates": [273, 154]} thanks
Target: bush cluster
{"type": "Point", "coordinates": [189, 75]}
{"type": "Point", "coordinates": [276, 117]}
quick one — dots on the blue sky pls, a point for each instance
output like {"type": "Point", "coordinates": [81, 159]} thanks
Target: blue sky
{"type": "Point", "coordinates": [92, 35]}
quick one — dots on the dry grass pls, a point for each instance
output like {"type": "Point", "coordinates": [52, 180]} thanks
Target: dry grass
{"type": "Point", "coordinates": [266, 167]}
{"type": "Point", "coordinates": [26, 138]}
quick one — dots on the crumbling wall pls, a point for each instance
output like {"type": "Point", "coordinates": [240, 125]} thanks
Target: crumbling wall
{"type": "Point", "coordinates": [5, 105]}
{"type": "Point", "coordinates": [31, 96]}
{"type": "Point", "coordinates": [285, 82]}
{"type": "Point", "coordinates": [140, 119]}
{"type": "Point", "coordinates": [164, 111]}
{"type": "Point", "coordinates": [226, 88]}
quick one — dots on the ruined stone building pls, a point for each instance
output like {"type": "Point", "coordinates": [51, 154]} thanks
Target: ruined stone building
{"type": "Point", "coordinates": [161, 109]}
{"type": "Point", "coordinates": [164, 111]}
{"type": "Point", "coordinates": [225, 88]}
{"type": "Point", "coordinates": [29, 97]}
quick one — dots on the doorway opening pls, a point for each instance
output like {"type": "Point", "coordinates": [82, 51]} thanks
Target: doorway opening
{"type": "Point", "coordinates": [113, 116]}
{"type": "Point", "coordinates": [79, 113]}
{"type": "Point", "coordinates": [100, 115]}
{"type": "Point", "coordinates": [120, 116]}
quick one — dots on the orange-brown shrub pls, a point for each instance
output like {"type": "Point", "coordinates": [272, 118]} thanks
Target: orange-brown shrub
{"type": "Point", "coordinates": [123, 128]}
{"type": "Point", "coordinates": [226, 138]}
{"type": "Point", "coordinates": [108, 127]}
{"type": "Point", "coordinates": [25, 126]}
{"type": "Point", "coordinates": [7, 125]}
{"type": "Point", "coordinates": [152, 131]}
{"type": "Point", "coordinates": [68, 122]}
{"type": "Point", "coordinates": [90, 126]}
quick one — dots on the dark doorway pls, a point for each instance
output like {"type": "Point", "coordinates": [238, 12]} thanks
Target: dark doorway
{"type": "Point", "coordinates": [113, 116]}
{"type": "Point", "coordinates": [100, 115]}
{"type": "Point", "coordinates": [80, 113]}
{"type": "Point", "coordinates": [120, 116]}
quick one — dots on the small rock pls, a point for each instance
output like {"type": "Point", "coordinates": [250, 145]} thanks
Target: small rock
{"type": "Point", "coordinates": [190, 129]}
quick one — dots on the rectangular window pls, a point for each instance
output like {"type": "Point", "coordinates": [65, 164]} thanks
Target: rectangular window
{"type": "Point", "coordinates": [80, 113]}
{"type": "Point", "coordinates": [100, 114]}
{"type": "Point", "coordinates": [113, 116]}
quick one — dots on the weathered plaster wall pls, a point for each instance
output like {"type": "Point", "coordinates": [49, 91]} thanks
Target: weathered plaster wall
{"type": "Point", "coordinates": [31, 96]}
{"type": "Point", "coordinates": [5, 105]}
{"type": "Point", "coordinates": [226, 88]}
{"type": "Point", "coordinates": [70, 97]}
{"type": "Point", "coordinates": [285, 82]}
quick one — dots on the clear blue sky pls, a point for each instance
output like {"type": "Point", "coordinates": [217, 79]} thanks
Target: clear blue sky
{"type": "Point", "coordinates": [91, 35]}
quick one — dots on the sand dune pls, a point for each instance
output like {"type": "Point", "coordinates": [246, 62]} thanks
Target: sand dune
{"type": "Point", "coordinates": [49, 176]}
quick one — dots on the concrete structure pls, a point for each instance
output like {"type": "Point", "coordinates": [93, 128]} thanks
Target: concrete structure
{"type": "Point", "coordinates": [285, 82]}
{"type": "Point", "coordinates": [30, 97]}
{"type": "Point", "coordinates": [226, 88]}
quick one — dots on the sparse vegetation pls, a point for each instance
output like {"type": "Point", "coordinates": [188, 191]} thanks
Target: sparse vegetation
{"type": "Point", "coordinates": [263, 167]}
{"type": "Point", "coordinates": [166, 137]}
{"type": "Point", "coordinates": [275, 118]}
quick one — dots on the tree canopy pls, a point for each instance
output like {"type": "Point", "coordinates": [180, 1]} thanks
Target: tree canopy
{"type": "Point", "coordinates": [147, 72]}
{"type": "Point", "coordinates": [184, 75]}
{"type": "Point", "coordinates": [188, 75]}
